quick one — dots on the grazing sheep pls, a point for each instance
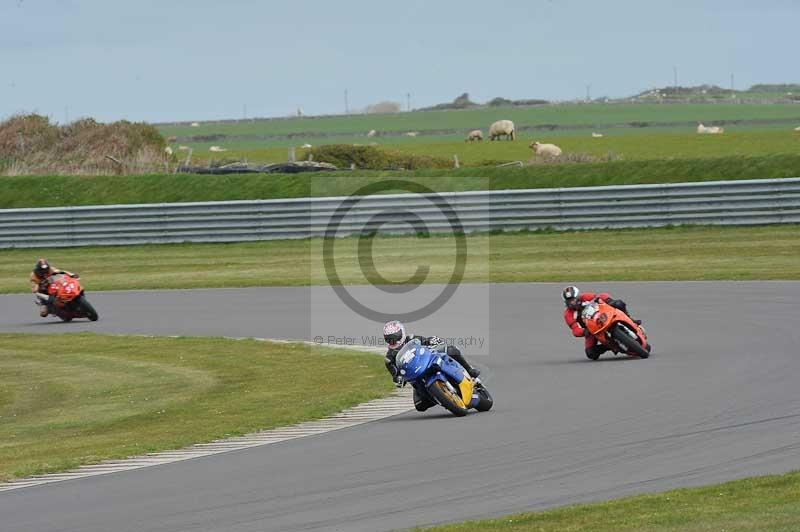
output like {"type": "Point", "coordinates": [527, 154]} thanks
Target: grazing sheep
{"type": "Point", "coordinates": [502, 128]}
{"type": "Point", "coordinates": [306, 145]}
{"type": "Point", "coordinates": [216, 149]}
{"type": "Point", "coordinates": [597, 135]}
{"type": "Point", "coordinates": [709, 130]}
{"type": "Point", "coordinates": [168, 150]}
{"type": "Point", "coordinates": [545, 150]}
{"type": "Point", "coordinates": [474, 135]}
{"type": "Point", "coordinates": [183, 148]}
{"type": "Point", "coordinates": [797, 128]}
{"type": "Point", "coordinates": [172, 139]}
{"type": "Point", "coordinates": [412, 134]}
{"type": "Point", "coordinates": [372, 133]}
{"type": "Point", "coordinates": [195, 124]}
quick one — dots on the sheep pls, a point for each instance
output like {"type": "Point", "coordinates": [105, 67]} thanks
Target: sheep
{"type": "Point", "coordinates": [597, 135]}
{"type": "Point", "coordinates": [475, 134]}
{"type": "Point", "coordinates": [545, 150]}
{"type": "Point", "coordinates": [797, 128]}
{"type": "Point", "coordinates": [195, 124]}
{"type": "Point", "coordinates": [306, 145]}
{"type": "Point", "coordinates": [502, 128]}
{"type": "Point", "coordinates": [709, 130]}
{"type": "Point", "coordinates": [168, 150]}
{"type": "Point", "coordinates": [372, 133]}
{"type": "Point", "coordinates": [412, 134]}
{"type": "Point", "coordinates": [172, 139]}
{"type": "Point", "coordinates": [216, 149]}
{"type": "Point", "coordinates": [183, 148]}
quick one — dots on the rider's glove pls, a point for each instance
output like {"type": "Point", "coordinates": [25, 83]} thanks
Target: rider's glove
{"type": "Point", "coordinates": [399, 381]}
{"type": "Point", "coordinates": [435, 340]}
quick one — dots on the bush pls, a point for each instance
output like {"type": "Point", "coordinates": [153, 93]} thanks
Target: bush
{"type": "Point", "coordinates": [30, 144]}
{"type": "Point", "coordinates": [498, 102]}
{"type": "Point", "coordinates": [373, 158]}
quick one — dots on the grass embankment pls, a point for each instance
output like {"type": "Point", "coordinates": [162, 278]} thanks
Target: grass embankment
{"type": "Point", "coordinates": [686, 253]}
{"type": "Point", "coordinates": [55, 191]}
{"type": "Point", "coordinates": [100, 397]}
{"type": "Point", "coordinates": [762, 504]}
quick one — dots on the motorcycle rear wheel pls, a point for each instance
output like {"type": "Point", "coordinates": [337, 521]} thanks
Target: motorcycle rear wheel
{"type": "Point", "coordinates": [445, 397]}
{"type": "Point", "coordinates": [631, 345]}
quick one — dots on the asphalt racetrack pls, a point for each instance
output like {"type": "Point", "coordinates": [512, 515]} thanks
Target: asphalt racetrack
{"type": "Point", "coordinates": [718, 400]}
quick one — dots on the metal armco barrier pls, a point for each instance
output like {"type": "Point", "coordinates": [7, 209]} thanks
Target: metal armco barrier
{"type": "Point", "coordinates": [751, 202]}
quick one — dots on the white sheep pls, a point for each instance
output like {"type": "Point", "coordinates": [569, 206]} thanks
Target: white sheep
{"type": "Point", "coordinates": [216, 149]}
{"type": "Point", "coordinates": [306, 145]}
{"type": "Point", "coordinates": [168, 150]}
{"type": "Point", "coordinates": [597, 135]}
{"type": "Point", "coordinates": [709, 130]}
{"type": "Point", "coordinates": [412, 134]}
{"type": "Point", "coordinates": [372, 133]}
{"type": "Point", "coordinates": [545, 150]}
{"type": "Point", "coordinates": [195, 124]}
{"type": "Point", "coordinates": [183, 148]}
{"type": "Point", "coordinates": [797, 128]}
{"type": "Point", "coordinates": [474, 135]}
{"type": "Point", "coordinates": [502, 128]}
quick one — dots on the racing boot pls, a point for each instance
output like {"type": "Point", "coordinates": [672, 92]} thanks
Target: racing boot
{"type": "Point", "coordinates": [458, 357]}
{"type": "Point", "coordinates": [43, 312]}
{"type": "Point", "coordinates": [422, 403]}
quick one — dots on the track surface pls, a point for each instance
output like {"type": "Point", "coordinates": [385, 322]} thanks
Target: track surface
{"type": "Point", "coordinates": [718, 400]}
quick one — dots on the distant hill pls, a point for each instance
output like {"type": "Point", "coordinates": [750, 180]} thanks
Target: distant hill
{"type": "Point", "coordinates": [785, 92]}
{"type": "Point", "coordinates": [463, 102]}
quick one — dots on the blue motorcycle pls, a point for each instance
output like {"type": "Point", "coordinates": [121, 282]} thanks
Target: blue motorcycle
{"type": "Point", "coordinates": [438, 377]}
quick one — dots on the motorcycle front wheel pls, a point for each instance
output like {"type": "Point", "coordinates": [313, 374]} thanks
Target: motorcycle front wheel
{"type": "Point", "coordinates": [447, 398]}
{"type": "Point", "coordinates": [87, 308]}
{"type": "Point", "coordinates": [631, 345]}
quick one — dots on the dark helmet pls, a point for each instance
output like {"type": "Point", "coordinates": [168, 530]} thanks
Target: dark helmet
{"type": "Point", "coordinates": [571, 295]}
{"type": "Point", "coordinates": [394, 333]}
{"type": "Point", "coordinates": [42, 268]}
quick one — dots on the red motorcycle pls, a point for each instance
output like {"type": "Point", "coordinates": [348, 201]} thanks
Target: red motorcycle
{"type": "Point", "coordinates": [614, 329]}
{"type": "Point", "coordinates": [68, 300]}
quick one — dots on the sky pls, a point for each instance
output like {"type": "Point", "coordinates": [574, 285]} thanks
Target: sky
{"type": "Point", "coordinates": [178, 60]}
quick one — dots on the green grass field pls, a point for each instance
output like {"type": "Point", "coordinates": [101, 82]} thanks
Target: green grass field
{"type": "Point", "coordinates": [630, 145]}
{"type": "Point", "coordinates": [687, 253]}
{"type": "Point", "coordinates": [761, 504]}
{"type": "Point", "coordinates": [96, 397]}
{"type": "Point", "coordinates": [565, 114]}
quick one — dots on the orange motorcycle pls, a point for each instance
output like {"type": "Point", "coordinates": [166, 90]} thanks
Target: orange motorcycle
{"type": "Point", "coordinates": [615, 329]}
{"type": "Point", "coordinates": [68, 299]}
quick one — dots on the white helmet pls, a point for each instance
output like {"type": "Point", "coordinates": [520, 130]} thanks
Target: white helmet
{"type": "Point", "coordinates": [570, 296]}
{"type": "Point", "coordinates": [394, 333]}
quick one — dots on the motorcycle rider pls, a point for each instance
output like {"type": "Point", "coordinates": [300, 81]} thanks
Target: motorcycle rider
{"type": "Point", "coordinates": [394, 333]}
{"type": "Point", "coordinates": [575, 300]}
{"type": "Point", "coordinates": [40, 281]}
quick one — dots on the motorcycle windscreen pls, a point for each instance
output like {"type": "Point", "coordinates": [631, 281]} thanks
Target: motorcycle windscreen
{"type": "Point", "coordinates": [413, 361]}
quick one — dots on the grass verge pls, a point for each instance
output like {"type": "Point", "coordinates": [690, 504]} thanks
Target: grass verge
{"type": "Point", "coordinates": [56, 191]}
{"type": "Point", "coordinates": [762, 504]}
{"type": "Point", "coordinates": [680, 253]}
{"type": "Point", "coordinates": [99, 397]}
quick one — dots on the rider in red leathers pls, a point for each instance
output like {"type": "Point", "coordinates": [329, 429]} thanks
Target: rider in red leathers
{"type": "Point", "coordinates": [574, 300]}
